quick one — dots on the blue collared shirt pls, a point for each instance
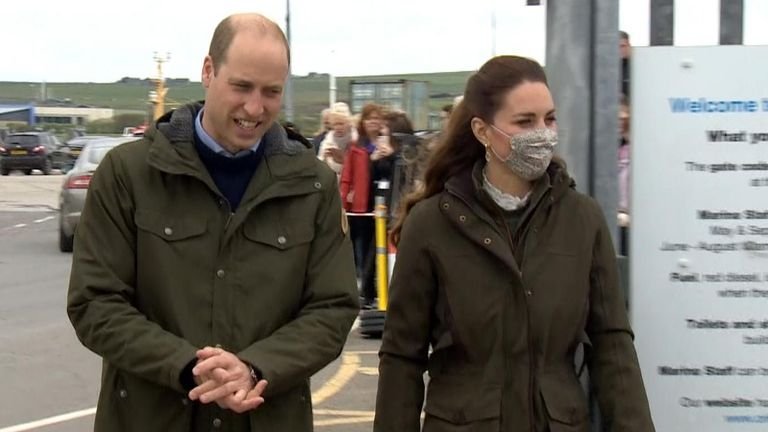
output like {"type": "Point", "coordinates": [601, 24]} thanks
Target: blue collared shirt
{"type": "Point", "coordinates": [216, 147]}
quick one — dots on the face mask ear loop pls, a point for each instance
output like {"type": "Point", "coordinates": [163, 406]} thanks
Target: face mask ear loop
{"type": "Point", "coordinates": [489, 146]}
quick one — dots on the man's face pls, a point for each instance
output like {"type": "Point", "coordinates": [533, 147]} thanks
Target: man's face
{"type": "Point", "coordinates": [244, 96]}
{"type": "Point", "coordinates": [624, 48]}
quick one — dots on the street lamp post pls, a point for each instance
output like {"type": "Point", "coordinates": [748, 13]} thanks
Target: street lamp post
{"type": "Point", "coordinates": [289, 82]}
{"type": "Point", "coordinates": [160, 89]}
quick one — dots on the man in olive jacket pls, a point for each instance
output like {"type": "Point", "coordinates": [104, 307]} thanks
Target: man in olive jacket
{"type": "Point", "coordinates": [211, 268]}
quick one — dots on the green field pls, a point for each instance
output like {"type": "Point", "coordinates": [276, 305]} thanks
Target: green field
{"type": "Point", "coordinates": [310, 93]}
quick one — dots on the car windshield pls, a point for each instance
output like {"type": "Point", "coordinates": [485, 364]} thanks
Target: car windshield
{"type": "Point", "coordinates": [96, 153]}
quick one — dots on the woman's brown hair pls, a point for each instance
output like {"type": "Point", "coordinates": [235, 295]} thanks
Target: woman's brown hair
{"type": "Point", "coordinates": [459, 150]}
{"type": "Point", "coordinates": [367, 111]}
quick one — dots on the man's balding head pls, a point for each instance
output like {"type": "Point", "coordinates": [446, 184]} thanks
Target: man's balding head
{"type": "Point", "coordinates": [230, 26]}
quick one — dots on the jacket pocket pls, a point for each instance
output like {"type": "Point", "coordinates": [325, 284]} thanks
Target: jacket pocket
{"type": "Point", "coordinates": [126, 400]}
{"type": "Point", "coordinates": [282, 237]}
{"type": "Point", "coordinates": [565, 402]}
{"type": "Point", "coordinates": [461, 403]}
{"type": "Point", "coordinates": [169, 228]}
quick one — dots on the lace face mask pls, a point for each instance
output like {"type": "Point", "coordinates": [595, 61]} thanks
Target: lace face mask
{"type": "Point", "coordinates": [531, 153]}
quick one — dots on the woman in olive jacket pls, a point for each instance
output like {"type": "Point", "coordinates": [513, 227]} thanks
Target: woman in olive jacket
{"type": "Point", "coordinates": [503, 270]}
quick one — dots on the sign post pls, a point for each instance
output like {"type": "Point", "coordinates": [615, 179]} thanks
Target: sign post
{"type": "Point", "coordinates": [699, 248]}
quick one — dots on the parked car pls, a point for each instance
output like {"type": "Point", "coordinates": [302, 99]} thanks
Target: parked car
{"type": "Point", "coordinates": [64, 157]}
{"type": "Point", "coordinates": [26, 151]}
{"type": "Point", "coordinates": [75, 186]}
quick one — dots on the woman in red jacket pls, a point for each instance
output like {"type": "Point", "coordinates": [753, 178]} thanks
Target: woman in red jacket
{"type": "Point", "coordinates": [355, 184]}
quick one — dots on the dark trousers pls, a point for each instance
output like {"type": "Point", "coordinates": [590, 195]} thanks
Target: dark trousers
{"type": "Point", "coordinates": [624, 241]}
{"type": "Point", "coordinates": [361, 230]}
{"type": "Point", "coordinates": [368, 288]}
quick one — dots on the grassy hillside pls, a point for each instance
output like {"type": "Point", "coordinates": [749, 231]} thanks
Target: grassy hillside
{"type": "Point", "coordinates": [310, 93]}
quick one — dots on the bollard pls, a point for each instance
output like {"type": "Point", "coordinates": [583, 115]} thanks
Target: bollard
{"type": "Point", "coordinates": [382, 279]}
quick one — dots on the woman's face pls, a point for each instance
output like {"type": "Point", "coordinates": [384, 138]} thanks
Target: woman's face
{"type": "Point", "coordinates": [372, 124]}
{"type": "Point", "coordinates": [526, 107]}
{"type": "Point", "coordinates": [623, 119]}
{"type": "Point", "coordinates": [340, 127]}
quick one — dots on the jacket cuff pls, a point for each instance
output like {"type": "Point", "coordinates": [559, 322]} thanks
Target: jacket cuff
{"type": "Point", "coordinates": [186, 378]}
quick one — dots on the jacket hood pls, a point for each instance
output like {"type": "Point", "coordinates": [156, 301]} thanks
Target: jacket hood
{"type": "Point", "coordinates": [559, 178]}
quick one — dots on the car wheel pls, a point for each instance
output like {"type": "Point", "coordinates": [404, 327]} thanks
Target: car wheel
{"type": "Point", "coordinates": [28, 171]}
{"type": "Point", "coordinates": [66, 243]}
{"type": "Point", "coordinates": [47, 167]}
{"type": "Point", "coordinates": [5, 171]}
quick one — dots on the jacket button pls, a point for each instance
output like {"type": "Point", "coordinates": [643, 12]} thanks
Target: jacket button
{"type": "Point", "coordinates": [446, 206]}
{"type": "Point", "coordinates": [184, 401]}
{"type": "Point", "coordinates": [217, 423]}
{"type": "Point", "coordinates": [282, 240]}
{"type": "Point", "coordinates": [487, 241]}
{"type": "Point", "coordinates": [220, 274]}
{"type": "Point", "coordinates": [123, 393]}
{"type": "Point", "coordinates": [528, 293]}
{"type": "Point", "coordinates": [463, 218]}
{"type": "Point", "coordinates": [318, 185]}
{"type": "Point", "coordinates": [168, 231]}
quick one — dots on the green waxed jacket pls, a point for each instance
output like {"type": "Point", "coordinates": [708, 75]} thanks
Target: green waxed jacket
{"type": "Point", "coordinates": [504, 312]}
{"type": "Point", "coordinates": [162, 268]}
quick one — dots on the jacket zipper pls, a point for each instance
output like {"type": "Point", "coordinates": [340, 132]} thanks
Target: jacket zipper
{"type": "Point", "coordinates": [531, 368]}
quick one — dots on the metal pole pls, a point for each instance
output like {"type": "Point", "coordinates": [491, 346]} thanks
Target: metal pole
{"type": "Point", "coordinates": [332, 81]}
{"type": "Point", "coordinates": [583, 72]}
{"type": "Point", "coordinates": [662, 22]}
{"type": "Point", "coordinates": [332, 90]}
{"type": "Point", "coordinates": [289, 81]}
{"type": "Point", "coordinates": [568, 58]}
{"type": "Point", "coordinates": [382, 267]}
{"type": "Point", "coordinates": [731, 22]}
{"type": "Point", "coordinates": [493, 28]}
{"type": "Point", "coordinates": [605, 107]}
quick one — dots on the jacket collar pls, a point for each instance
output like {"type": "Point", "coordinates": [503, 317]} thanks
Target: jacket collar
{"type": "Point", "coordinates": [285, 169]}
{"type": "Point", "coordinates": [172, 144]}
{"type": "Point", "coordinates": [471, 210]}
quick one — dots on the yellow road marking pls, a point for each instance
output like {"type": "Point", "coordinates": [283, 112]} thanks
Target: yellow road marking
{"type": "Point", "coordinates": [349, 413]}
{"type": "Point", "coordinates": [349, 364]}
{"type": "Point", "coordinates": [342, 421]}
{"type": "Point", "coordinates": [373, 371]}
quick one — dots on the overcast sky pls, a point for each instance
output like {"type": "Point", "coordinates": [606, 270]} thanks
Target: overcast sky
{"type": "Point", "coordinates": [103, 41]}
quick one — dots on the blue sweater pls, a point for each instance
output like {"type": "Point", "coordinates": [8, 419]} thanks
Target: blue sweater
{"type": "Point", "coordinates": [231, 175]}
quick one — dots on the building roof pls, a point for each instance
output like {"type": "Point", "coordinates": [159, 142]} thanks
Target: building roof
{"type": "Point", "coordinates": [5, 109]}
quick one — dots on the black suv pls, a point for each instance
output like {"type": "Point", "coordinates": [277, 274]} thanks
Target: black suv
{"type": "Point", "coordinates": [26, 151]}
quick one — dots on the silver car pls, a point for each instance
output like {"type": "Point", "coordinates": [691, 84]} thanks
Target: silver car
{"type": "Point", "coordinates": [75, 187]}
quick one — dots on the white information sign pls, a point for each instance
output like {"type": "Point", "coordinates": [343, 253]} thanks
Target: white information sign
{"type": "Point", "coordinates": [699, 235]}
